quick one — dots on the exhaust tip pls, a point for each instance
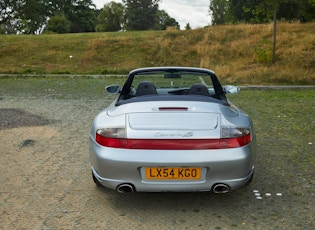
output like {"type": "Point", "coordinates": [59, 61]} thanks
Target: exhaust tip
{"type": "Point", "coordinates": [221, 188]}
{"type": "Point", "coordinates": [125, 188]}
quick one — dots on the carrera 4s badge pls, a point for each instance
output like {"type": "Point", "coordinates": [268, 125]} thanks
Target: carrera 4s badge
{"type": "Point", "coordinates": [187, 134]}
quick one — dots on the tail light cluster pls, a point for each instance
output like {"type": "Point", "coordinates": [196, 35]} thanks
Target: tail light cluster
{"type": "Point", "coordinates": [231, 137]}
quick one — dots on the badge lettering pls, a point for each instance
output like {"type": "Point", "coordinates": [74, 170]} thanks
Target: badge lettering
{"type": "Point", "coordinates": [188, 134]}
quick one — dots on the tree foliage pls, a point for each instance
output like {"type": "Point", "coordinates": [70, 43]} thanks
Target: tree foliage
{"type": "Point", "coordinates": [111, 17]}
{"type": "Point", "coordinates": [75, 16]}
{"type": "Point", "coordinates": [22, 16]}
{"type": "Point", "coordinates": [260, 11]}
{"type": "Point", "coordinates": [59, 24]}
{"type": "Point", "coordinates": [133, 15]}
{"type": "Point", "coordinates": [33, 17]}
{"type": "Point", "coordinates": [219, 9]}
{"type": "Point", "coordinates": [163, 21]}
{"type": "Point", "coordinates": [9, 12]}
{"type": "Point", "coordinates": [187, 27]}
{"type": "Point", "coordinates": [141, 14]}
{"type": "Point", "coordinates": [80, 13]}
{"type": "Point", "coordinates": [9, 9]}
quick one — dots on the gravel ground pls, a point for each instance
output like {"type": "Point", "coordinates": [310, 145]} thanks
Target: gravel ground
{"type": "Point", "coordinates": [46, 181]}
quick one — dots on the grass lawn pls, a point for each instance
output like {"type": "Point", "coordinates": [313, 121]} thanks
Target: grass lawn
{"type": "Point", "coordinates": [239, 54]}
{"type": "Point", "coordinates": [284, 122]}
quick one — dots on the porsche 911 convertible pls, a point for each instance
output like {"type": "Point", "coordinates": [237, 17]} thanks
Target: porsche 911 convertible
{"type": "Point", "coordinates": [172, 129]}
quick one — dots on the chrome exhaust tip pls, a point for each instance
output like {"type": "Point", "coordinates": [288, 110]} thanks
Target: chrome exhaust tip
{"type": "Point", "coordinates": [221, 188]}
{"type": "Point", "coordinates": [125, 188]}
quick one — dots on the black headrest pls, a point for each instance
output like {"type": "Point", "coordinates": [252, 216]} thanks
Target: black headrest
{"type": "Point", "coordinates": [145, 88]}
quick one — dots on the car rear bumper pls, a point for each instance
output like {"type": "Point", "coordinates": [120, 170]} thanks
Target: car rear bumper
{"type": "Point", "coordinates": [114, 167]}
{"type": "Point", "coordinates": [172, 187]}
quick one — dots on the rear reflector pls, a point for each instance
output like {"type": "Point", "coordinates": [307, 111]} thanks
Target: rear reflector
{"type": "Point", "coordinates": [173, 144]}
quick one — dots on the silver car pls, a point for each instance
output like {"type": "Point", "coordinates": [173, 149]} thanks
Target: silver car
{"type": "Point", "coordinates": [172, 129]}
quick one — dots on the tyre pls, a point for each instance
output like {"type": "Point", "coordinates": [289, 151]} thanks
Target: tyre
{"type": "Point", "coordinates": [250, 180]}
{"type": "Point", "coordinates": [95, 180]}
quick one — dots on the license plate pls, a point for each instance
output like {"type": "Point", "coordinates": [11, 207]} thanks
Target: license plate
{"type": "Point", "coordinates": [173, 173]}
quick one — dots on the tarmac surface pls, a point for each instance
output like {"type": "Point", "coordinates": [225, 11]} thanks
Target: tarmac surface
{"type": "Point", "coordinates": [46, 181]}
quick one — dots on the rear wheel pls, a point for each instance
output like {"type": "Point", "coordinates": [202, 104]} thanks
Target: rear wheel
{"type": "Point", "coordinates": [250, 179]}
{"type": "Point", "coordinates": [95, 180]}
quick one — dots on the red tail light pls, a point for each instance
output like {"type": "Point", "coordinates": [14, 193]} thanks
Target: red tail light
{"type": "Point", "coordinates": [173, 144]}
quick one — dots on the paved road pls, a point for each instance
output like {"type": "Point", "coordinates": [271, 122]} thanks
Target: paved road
{"type": "Point", "coordinates": [46, 183]}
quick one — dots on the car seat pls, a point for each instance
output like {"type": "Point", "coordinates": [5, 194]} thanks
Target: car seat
{"type": "Point", "coordinates": [146, 88]}
{"type": "Point", "coordinates": [199, 89]}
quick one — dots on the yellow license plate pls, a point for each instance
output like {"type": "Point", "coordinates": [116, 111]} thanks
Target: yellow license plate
{"type": "Point", "coordinates": [173, 173]}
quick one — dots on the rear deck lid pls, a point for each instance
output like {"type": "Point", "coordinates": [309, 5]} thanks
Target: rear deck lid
{"type": "Point", "coordinates": [173, 125]}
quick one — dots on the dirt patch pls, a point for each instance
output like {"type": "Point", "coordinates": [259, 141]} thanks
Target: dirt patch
{"type": "Point", "coordinates": [13, 118]}
{"type": "Point", "coordinates": [27, 136]}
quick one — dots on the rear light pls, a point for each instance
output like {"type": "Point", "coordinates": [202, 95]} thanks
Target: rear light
{"type": "Point", "coordinates": [111, 137]}
{"type": "Point", "coordinates": [231, 138]}
{"type": "Point", "coordinates": [231, 132]}
{"type": "Point", "coordinates": [112, 132]}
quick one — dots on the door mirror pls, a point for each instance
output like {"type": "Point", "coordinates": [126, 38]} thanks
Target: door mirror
{"type": "Point", "coordinates": [231, 89]}
{"type": "Point", "coordinates": [113, 89]}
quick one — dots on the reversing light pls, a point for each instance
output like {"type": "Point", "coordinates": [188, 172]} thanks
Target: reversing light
{"type": "Point", "coordinates": [111, 137]}
{"type": "Point", "coordinates": [231, 132]}
{"type": "Point", "coordinates": [112, 132]}
{"type": "Point", "coordinates": [233, 137]}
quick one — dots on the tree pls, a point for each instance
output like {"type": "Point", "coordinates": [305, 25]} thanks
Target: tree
{"type": "Point", "coordinates": [33, 16]}
{"type": "Point", "coordinates": [9, 10]}
{"type": "Point", "coordinates": [58, 24]}
{"type": "Point", "coordinates": [80, 13]}
{"type": "Point", "coordinates": [22, 16]}
{"type": "Point", "coordinates": [307, 10]}
{"type": "Point", "coordinates": [262, 11]}
{"type": "Point", "coordinates": [219, 10]}
{"type": "Point", "coordinates": [241, 10]}
{"type": "Point", "coordinates": [163, 21]}
{"type": "Point", "coordinates": [111, 17]}
{"type": "Point", "coordinates": [288, 9]}
{"type": "Point", "coordinates": [187, 27]}
{"type": "Point", "coordinates": [141, 14]}
{"type": "Point", "coordinates": [82, 16]}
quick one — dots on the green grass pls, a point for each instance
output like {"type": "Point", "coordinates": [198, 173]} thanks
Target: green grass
{"type": "Point", "coordinates": [284, 121]}
{"type": "Point", "coordinates": [239, 54]}
{"type": "Point", "coordinates": [57, 87]}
